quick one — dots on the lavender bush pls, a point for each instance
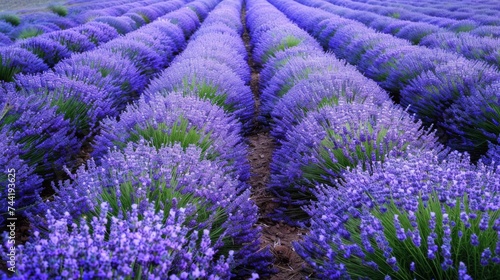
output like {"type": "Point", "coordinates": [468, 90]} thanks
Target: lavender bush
{"type": "Point", "coordinates": [169, 177]}
{"type": "Point", "coordinates": [166, 120]}
{"type": "Point", "coordinates": [116, 75]}
{"type": "Point", "coordinates": [50, 51]}
{"type": "Point", "coordinates": [17, 60]}
{"type": "Point", "coordinates": [82, 104]}
{"type": "Point", "coordinates": [329, 141]}
{"type": "Point", "coordinates": [46, 138]}
{"type": "Point", "coordinates": [410, 217]}
{"type": "Point", "coordinates": [320, 90]}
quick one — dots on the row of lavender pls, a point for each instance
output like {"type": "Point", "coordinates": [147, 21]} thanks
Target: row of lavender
{"type": "Point", "coordinates": [484, 12]}
{"type": "Point", "coordinates": [165, 193]}
{"type": "Point", "coordinates": [381, 197]}
{"type": "Point", "coordinates": [456, 95]}
{"type": "Point", "coordinates": [477, 23]}
{"type": "Point", "coordinates": [423, 34]}
{"type": "Point", "coordinates": [25, 24]}
{"type": "Point", "coordinates": [30, 24]}
{"type": "Point", "coordinates": [48, 117]}
{"type": "Point", "coordinates": [37, 54]}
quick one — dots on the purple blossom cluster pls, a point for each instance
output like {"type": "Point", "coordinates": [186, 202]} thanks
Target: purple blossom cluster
{"type": "Point", "coordinates": [414, 75]}
{"type": "Point", "coordinates": [45, 139]}
{"type": "Point", "coordinates": [141, 173]}
{"type": "Point", "coordinates": [165, 120]}
{"type": "Point", "coordinates": [335, 138]}
{"type": "Point", "coordinates": [408, 217]}
{"type": "Point", "coordinates": [142, 243]}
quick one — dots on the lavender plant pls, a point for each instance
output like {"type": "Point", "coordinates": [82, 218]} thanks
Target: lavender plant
{"type": "Point", "coordinates": [320, 90]}
{"type": "Point", "coordinates": [45, 138]}
{"type": "Point", "coordinates": [475, 118]}
{"type": "Point", "coordinates": [145, 59]}
{"type": "Point", "coordinates": [327, 142]}
{"type": "Point", "coordinates": [17, 60]}
{"type": "Point", "coordinates": [201, 78]}
{"type": "Point", "coordinates": [432, 92]}
{"type": "Point", "coordinates": [50, 51]}
{"type": "Point", "coordinates": [97, 32]}
{"type": "Point", "coordinates": [72, 40]}
{"type": "Point", "coordinates": [166, 120]}
{"type": "Point", "coordinates": [116, 75]}
{"type": "Point", "coordinates": [169, 177]}
{"type": "Point", "coordinates": [82, 104]}
{"type": "Point", "coordinates": [411, 217]}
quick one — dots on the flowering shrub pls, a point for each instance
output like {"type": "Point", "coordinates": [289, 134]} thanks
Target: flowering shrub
{"type": "Point", "coordinates": [293, 71]}
{"type": "Point", "coordinates": [72, 40]}
{"type": "Point", "coordinates": [122, 24]}
{"type": "Point", "coordinates": [82, 104]}
{"type": "Point", "coordinates": [327, 142]}
{"type": "Point", "coordinates": [141, 173]}
{"type": "Point", "coordinates": [50, 51]}
{"type": "Point", "coordinates": [166, 120]}
{"type": "Point", "coordinates": [202, 78]}
{"type": "Point", "coordinates": [475, 118]}
{"type": "Point", "coordinates": [140, 243]}
{"type": "Point", "coordinates": [45, 137]}
{"type": "Point", "coordinates": [411, 217]}
{"type": "Point", "coordinates": [116, 75]}
{"type": "Point", "coordinates": [17, 60]}
{"type": "Point", "coordinates": [145, 59]}
{"type": "Point", "coordinates": [320, 90]}
{"type": "Point", "coordinates": [432, 92]}
{"type": "Point", "coordinates": [97, 32]}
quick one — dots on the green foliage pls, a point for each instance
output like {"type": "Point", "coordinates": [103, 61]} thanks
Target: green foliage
{"type": "Point", "coordinates": [161, 136]}
{"type": "Point", "coordinates": [286, 43]}
{"type": "Point", "coordinates": [7, 72]}
{"type": "Point", "coordinates": [206, 91]}
{"type": "Point", "coordinates": [11, 18]}
{"type": "Point", "coordinates": [29, 32]}
{"type": "Point", "coordinates": [59, 10]}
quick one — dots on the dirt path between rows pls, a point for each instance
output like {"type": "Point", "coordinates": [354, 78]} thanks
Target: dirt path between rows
{"type": "Point", "coordinates": [277, 236]}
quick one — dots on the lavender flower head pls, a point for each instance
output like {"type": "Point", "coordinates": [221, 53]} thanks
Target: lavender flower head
{"type": "Point", "coordinates": [434, 218]}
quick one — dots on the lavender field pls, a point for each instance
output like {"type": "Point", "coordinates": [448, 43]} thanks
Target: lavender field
{"type": "Point", "coordinates": [250, 139]}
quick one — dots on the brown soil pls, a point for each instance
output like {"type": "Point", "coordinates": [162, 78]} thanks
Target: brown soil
{"type": "Point", "coordinates": [276, 236]}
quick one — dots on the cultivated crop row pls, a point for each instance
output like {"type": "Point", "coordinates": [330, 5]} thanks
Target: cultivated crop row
{"type": "Point", "coordinates": [454, 94]}
{"type": "Point", "coordinates": [423, 34]}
